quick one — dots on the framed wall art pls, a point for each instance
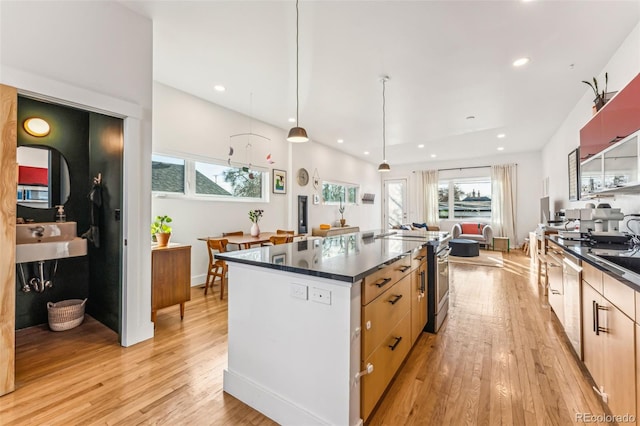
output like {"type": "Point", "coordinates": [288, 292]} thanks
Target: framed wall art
{"type": "Point", "coordinates": [279, 181]}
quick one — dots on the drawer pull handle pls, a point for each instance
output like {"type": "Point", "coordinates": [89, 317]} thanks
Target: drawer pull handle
{"type": "Point", "coordinates": [404, 268]}
{"type": "Point", "coordinates": [598, 329]}
{"type": "Point", "coordinates": [395, 299]}
{"type": "Point", "coordinates": [383, 282]}
{"type": "Point", "coordinates": [419, 258]}
{"type": "Point", "coordinates": [398, 340]}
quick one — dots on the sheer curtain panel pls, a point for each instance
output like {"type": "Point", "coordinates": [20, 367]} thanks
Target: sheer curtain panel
{"type": "Point", "coordinates": [430, 191]}
{"type": "Point", "coordinates": [503, 201]}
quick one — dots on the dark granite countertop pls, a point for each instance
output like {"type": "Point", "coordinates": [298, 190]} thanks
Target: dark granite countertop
{"type": "Point", "coordinates": [585, 252]}
{"type": "Point", "coordinates": [347, 257]}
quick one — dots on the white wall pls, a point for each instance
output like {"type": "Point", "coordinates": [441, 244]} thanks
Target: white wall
{"type": "Point", "coordinates": [335, 166]}
{"type": "Point", "coordinates": [622, 67]}
{"type": "Point", "coordinates": [96, 56]}
{"type": "Point", "coordinates": [529, 188]}
{"type": "Point", "coordinates": [189, 126]}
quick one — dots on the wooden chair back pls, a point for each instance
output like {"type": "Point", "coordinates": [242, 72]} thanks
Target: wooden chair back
{"type": "Point", "coordinates": [217, 245]}
{"type": "Point", "coordinates": [236, 233]}
{"type": "Point", "coordinates": [281, 239]}
{"type": "Point", "coordinates": [217, 267]}
{"type": "Point", "coordinates": [284, 231]}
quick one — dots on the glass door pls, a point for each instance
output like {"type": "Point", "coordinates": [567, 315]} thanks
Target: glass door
{"type": "Point", "coordinates": [394, 203]}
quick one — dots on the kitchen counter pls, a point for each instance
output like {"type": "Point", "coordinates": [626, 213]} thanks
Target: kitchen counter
{"type": "Point", "coordinates": [347, 258]}
{"type": "Point", "coordinates": [295, 322]}
{"type": "Point", "coordinates": [585, 252]}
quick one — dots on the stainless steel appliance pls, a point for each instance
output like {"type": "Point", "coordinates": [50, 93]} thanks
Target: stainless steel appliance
{"type": "Point", "coordinates": [571, 281]}
{"type": "Point", "coordinates": [438, 284]}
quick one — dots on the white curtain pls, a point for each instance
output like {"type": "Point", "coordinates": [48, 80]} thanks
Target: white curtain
{"type": "Point", "coordinates": [503, 201]}
{"type": "Point", "coordinates": [430, 191]}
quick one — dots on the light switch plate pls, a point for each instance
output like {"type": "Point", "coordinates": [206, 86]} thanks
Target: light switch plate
{"type": "Point", "coordinates": [299, 291]}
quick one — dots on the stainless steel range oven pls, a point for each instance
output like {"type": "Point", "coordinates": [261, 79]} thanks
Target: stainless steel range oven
{"type": "Point", "coordinates": [438, 284]}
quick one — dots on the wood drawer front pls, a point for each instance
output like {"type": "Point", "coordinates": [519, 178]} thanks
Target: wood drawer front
{"type": "Point", "coordinates": [620, 295]}
{"type": "Point", "coordinates": [418, 257]}
{"type": "Point", "coordinates": [381, 316]}
{"type": "Point", "coordinates": [593, 276]}
{"type": "Point", "coordinates": [638, 321]}
{"type": "Point", "coordinates": [381, 280]}
{"type": "Point", "coordinates": [385, 363]}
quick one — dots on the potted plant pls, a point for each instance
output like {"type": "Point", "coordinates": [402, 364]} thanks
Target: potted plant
{"type": "Point", "coordinates": [254, 216]}
{"type": "Point", "coordinates": [161, 230]}
{"type": "Point", "coordinates": [601, 97]}
{"type": "Point", "coordinates": [341, 210]}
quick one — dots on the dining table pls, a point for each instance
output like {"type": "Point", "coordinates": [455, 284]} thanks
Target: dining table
{"type": "Point", "coordinates": [245, 241]}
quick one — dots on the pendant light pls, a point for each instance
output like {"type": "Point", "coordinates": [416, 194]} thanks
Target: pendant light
{"type": "Point", "coordinates": [297, 134]}
{"type": "Point", "coordinates": [384, 166]}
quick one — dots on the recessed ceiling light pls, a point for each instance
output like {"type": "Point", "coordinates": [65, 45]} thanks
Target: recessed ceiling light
{"type": "Point", "coordinates": [340, 140]}
{"type": "Point", "coordinates": [292, 120]}
{"type": "Point", "coordinates": [501, 148]}
{"type": "Point", "coordinates": [433, 156]}
{"type": "Point", "coordinates": [421, 146]}
{"type": "Point", "coordinates": [219, 88]}
{"type": "Point", "coordinates": [470, 117]}
{"type": "Point", "coordinates": [501, 135]}
{"type": "Point", "coordinates": [366, 153]}
{"type": "Point", "coordinates": [520, 62]}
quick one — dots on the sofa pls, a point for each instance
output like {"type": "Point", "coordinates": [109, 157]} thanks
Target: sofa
{"type": "Point", "coordinates": [480, 232]}
{"type": "Point", "coordinates": [416, 226]}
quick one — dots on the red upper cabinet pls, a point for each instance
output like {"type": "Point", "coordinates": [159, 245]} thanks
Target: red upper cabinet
{"type": "Point", "coordinates": [617, 119]}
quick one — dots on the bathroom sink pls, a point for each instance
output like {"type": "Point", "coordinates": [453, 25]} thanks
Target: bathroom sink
{"type": "Point", "coordinates": [48, 240]}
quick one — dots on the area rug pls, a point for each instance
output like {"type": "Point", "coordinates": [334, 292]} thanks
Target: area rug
{"type": "Point", "coordinates": [486, 258]}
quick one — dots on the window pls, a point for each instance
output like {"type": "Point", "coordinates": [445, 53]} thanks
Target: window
{"type": "Point", "coordinates": [167, 174]}
{"type": "Point", "coordinates": [465, 198]}
{"type": "Point", "coordinates": [194, 178]}
{"type": "Point", "coordinates": [216, 179]}
{"type": "Point", "coordinates": [333, 193]}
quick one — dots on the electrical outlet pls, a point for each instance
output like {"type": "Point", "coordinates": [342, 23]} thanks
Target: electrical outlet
{"type": "Point", "coordinates": [321, 295]}
{"type": "Point", "coordinates": [299, 291]}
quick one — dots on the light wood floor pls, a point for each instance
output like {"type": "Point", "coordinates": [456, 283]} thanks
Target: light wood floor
{"type": "Point", "coordinates": [497, 360]}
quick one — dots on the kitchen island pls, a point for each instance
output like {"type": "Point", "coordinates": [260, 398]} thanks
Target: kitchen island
{"type": "Point", "coordinates": [295, 322]}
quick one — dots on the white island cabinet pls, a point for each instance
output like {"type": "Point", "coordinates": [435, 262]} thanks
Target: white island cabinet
{"type": "Point", "coordinates": [291, 356]}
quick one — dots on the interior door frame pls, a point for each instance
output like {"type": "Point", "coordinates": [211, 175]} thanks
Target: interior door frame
{"type": "Point", "coordinates": [385, 199]}
{"type": "Point", "coordinates": [136, 199]}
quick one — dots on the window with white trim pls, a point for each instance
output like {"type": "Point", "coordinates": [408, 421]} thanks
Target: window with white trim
{"type": "Point", "coordinates": [204, 178]}
{"type": "Point", "coordinates": [334, 193]}
{"type": "Point", "coordinates": [465, 198]}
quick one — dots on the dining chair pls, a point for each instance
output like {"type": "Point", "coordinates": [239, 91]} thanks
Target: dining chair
{"type": "Point", "coordinates": [217, 268]}
{"type": "Point", "coordinates": [231, 234]}
{"type": "Point", "coordinates": [284, 231]}
{"type": "Point", "coordinates": [281, 239]}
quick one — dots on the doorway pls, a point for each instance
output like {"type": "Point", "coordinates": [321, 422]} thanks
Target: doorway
{"type": "Point", "coordinates": [394, 203]}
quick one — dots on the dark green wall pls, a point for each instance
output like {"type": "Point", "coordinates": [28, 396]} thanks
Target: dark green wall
{"type": "Point", "coordinates": [105, 153]}
{"type": "Point", "coordinates": [71, 134]}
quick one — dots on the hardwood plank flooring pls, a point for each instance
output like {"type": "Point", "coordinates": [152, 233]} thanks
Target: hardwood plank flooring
{"type": "Point", "coordinates": [499, 359]}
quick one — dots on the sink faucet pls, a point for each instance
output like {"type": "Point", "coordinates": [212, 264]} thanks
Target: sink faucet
{"type": "Point", "coordinates": [37, 231]}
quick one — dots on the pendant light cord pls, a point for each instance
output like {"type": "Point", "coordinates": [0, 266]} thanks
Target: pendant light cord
{"type": "Point", "coordinates": [297, 60]}
{"type": "Point", "coordinates": [384, 121]}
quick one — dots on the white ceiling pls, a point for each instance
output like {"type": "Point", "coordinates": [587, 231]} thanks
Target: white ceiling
{"type": "Point", "coordinates": [447, 60]}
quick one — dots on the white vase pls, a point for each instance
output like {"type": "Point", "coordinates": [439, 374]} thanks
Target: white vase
{"type": "Point", "coordinates": [255, 230]}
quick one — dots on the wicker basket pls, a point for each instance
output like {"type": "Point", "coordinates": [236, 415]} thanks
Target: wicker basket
{"type": "Point", "coordinates": [66, 314]}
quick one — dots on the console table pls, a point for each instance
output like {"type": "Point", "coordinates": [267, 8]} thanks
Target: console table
{"type": "Point", "coordinates": [170, 277]}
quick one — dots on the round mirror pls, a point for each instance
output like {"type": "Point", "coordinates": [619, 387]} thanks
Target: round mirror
{"type": "Point", "coordinates": [43, 177]}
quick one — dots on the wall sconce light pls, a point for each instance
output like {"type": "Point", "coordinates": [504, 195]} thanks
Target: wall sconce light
{"type": "Point", "coordinates": [37, 127]}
